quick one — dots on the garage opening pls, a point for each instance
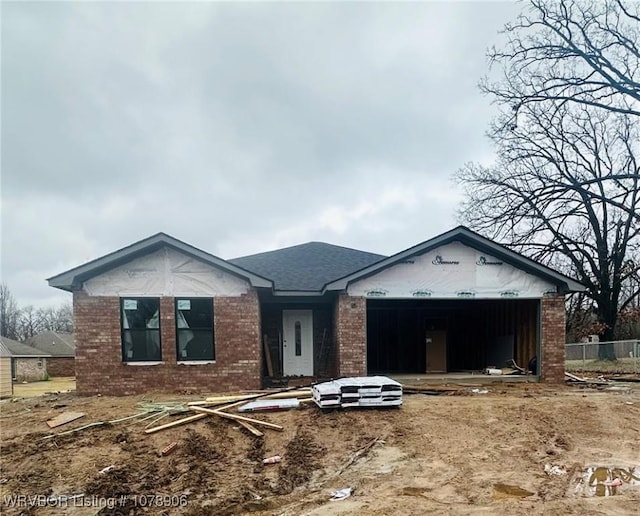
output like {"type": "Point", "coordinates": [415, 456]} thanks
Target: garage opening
{"type": "Point", "coordinates": [439, 336]}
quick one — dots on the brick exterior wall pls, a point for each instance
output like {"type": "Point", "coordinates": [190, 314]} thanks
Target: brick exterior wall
{"type": "Point", "coordinates": [350, 321]}
{"type": "Point", "coordinates": [30, 369]}
{"type": "Point", "coordinates": [99, 366]}
{"type": "Point", "coordinates": [61, 366]}
{"type": "Point", "coordinates": [552, 344]}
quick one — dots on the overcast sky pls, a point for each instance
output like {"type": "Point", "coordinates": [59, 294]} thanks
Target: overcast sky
{"type": "Point", "coordinates": [236, 127]}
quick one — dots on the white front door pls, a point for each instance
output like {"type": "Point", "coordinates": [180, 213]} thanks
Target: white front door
{"type": "Point", "coordinates": [297, 346]}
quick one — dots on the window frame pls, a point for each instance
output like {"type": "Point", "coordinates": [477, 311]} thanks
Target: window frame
{"type": "Point", "coordinates": [123, 331]}
{"type": "Point", "coordinates": [202, 330]}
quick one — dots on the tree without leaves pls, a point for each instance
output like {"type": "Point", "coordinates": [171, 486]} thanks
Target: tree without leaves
{"type": "Point", "coordinates": [565, 191]}
{"type": "Point", "coordinates": [9, 313]}
{"type": "Point", "coordinates": [59, 319]}
{"type": "Point", "coordinates": [28, 323]}
{"type": "Point", "coordinates": [567, 51]}
{"type": "Point", "coordinates": [22, 323]}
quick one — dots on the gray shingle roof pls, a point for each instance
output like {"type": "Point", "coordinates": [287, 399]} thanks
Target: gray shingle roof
{"type": "Point", "coordinates": [53, 343]}
{"type": "Point", "coordinates": [4, 350]}
{"type": "Point", "coordinates": [306, 267]}
{"type": "Point", "coordinates": [18, 349]}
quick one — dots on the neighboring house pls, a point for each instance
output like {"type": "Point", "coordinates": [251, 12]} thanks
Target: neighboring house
{"type": "Point", "coordinates": [163, 315]}
{"type": "Point", "coordinates": [62, 349]}
{"type": "Point", "coordinates": [27, 364]}
{"type": "Point", "coordinates": [6, 380]}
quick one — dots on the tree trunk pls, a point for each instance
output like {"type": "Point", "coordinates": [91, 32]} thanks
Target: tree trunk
{"type": "Point", "coordinates": [608, 316]}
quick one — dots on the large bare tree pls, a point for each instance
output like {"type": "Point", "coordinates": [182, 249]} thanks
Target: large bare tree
{"type": "Point", "coordinates": [9, 313]}
{"type": "Point", "coordinates": [565, 191]}
{"type": "Point", "coordinates": [21, 323]}
{"type": "Point", "coordinates": [575, 51]}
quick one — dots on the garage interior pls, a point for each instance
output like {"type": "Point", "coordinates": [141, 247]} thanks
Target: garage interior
{"type": "Point", "coordinates": [421, 336]}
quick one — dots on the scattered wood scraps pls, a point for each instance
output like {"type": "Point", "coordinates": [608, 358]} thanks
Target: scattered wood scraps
{"type": "Point", "coordinates": [221, 405]}
{"type": "Point", "coordinates": [64, 418]}
{"type": "Point", "coordinates": [590, 381]}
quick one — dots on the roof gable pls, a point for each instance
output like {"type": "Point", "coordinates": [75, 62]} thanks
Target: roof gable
{"type": "Point", "coordinates": [73, 278]}
{"type": "Point", "coordinates": [471, 239]}
{"type": "Point", "coordinates": [306, 267]}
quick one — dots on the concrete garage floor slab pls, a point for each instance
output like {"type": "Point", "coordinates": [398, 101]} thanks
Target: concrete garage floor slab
{"type": "Point", "coordinates": [477, 378]}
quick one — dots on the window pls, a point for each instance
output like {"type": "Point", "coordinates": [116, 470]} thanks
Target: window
{"type": "Point", "coordinates": [298, 338]}
{"type": "Point", "coordinates": [140, 329]}
{"type": "Point", "coordinates": [194, 329]}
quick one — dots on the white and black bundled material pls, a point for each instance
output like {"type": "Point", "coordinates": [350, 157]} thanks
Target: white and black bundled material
{"type": "Point", "coordinates": [361, 391]}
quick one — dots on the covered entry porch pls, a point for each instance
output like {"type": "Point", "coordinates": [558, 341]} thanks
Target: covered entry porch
{"type": "Point", "coordinates": [298, 337]}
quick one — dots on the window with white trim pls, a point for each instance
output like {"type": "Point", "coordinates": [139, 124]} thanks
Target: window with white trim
{"type": "Point", "coordinates": [194, 329]}
{"type": "Point", "coordinates": [140, 324]}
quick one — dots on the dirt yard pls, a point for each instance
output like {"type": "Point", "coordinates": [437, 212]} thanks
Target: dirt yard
{"type": "Point", "coordinates": [460, 453]}
{"type": "Point", "coordinates": [58, 384]}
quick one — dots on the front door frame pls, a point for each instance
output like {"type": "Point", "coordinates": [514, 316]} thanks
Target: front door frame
{"type": "Point", "coordinates": [292, 364]}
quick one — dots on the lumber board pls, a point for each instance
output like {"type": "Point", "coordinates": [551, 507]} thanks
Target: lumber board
{"type": "Point", "coordinates": [251, 428]}
{"type": "Point", "coordinates": [275, 396]}
{"type": "Point", "coordinates": [219, 400]}
{"type": "Point", "coordinates": [64, 418]}
{"type": "Point", "coordinates": [178, 422]}
{"type": "Point", "coordinates": [236, 417]}
{"type": "Point", "coordinates": [622, 378]}
{"type": "Point", "coordinates": [267, 355]}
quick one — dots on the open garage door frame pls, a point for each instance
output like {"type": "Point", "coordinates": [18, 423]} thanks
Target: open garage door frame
{"type": "Point", "coordinates": [430, 335]}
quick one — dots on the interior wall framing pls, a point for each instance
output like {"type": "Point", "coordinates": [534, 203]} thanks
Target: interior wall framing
{"type": "Point", "coordinates": [477, 331]}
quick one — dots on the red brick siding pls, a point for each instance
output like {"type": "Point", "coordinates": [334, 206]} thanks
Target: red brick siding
{"type": "Point", "coordinates": [351, 335]}
{"type": "Point", "coordinates": [99, 366]}
{"type": "Point", "coordinates": [552, 339]}
{"type": "Point", "coordinates": [61, 366]}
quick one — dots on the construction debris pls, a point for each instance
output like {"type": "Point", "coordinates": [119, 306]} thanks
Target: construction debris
{"type": "Point", "coordinates": [64, 418]}
{"type": "Point", "coordinates": [363, 391]}
{"type": "Point", "coordinates": [231, 401]}
{"type": "Point", "coordinates": [341, 494]}
{"type": "Point", "coordinates": [272, 460]}
{"type": "Point", "coordinates": [169, 448]}
{"type": "Point", "coordinates": [592, 381]}
{"type": "Point", "coordinates": [252, 429]}
{"type": "Point", "coordinates": [553, 470]}
{"type": "Point", "coordinates": [226, 415]}
{"type": "Point", "coordinates": [182, 421]}
{"type": "Point", "coordinates": [266, 405]}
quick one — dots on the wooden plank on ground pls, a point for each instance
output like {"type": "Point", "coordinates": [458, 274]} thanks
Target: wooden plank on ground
{"type": "Point", "coordinates": [221, 400]}
{"type": "Point", "coordinates": [64, 418]}
{"type": "Point", "coordinates": [238, 418]}
{"type": "Point", "coordinates": [178, 422]}
{"type": "Point", "coordinates": [251, 429]}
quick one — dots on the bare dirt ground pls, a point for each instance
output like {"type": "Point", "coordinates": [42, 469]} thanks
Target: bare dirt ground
{"type": "Point", "coordinates": [447, 454]}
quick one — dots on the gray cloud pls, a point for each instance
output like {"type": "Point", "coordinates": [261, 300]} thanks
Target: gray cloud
{"type": "Point", "coordinates": [238, 127]}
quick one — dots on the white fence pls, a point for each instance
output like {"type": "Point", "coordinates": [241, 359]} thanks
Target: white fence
{"type": "Point", "coordinates": [585, 356]}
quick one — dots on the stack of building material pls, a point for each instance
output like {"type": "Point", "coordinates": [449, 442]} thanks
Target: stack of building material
{"type": "Point", "coordinates": [362, 391]}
